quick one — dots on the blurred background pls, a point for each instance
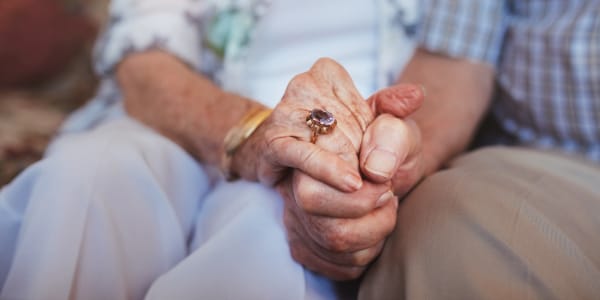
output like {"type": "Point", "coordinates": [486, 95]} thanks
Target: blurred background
{"type": "Point", "coordinates": [45, 72]}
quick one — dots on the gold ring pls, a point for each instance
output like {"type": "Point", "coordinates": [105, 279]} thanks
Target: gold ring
{"type": "Point", "coordinates": [320, 122]}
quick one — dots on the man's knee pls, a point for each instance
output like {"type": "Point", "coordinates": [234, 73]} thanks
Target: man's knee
{"type": "Point", "coordinates": [482, 227]}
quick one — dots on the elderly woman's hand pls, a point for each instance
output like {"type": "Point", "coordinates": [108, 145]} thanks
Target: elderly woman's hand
{"type": "Point", "coordinates": [282, 142]}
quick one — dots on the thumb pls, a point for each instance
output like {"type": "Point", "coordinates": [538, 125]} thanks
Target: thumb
{"type": "Point", "coordinates": [399, 100]}
{"type": "Point", "coordinates": [387, 144]}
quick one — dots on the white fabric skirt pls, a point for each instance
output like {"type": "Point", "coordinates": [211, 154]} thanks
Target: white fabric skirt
{"type": "Point", "coordinates": [120, 212]}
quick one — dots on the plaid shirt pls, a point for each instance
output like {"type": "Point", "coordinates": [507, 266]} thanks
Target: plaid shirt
{"type": "Point", "coordinates": [547, 58]}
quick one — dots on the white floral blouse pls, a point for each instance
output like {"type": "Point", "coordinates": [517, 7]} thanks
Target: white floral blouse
{"type": "Point", "coordinates": [187, 28]}
{"type": "Point", "coordinates": [213, 37]}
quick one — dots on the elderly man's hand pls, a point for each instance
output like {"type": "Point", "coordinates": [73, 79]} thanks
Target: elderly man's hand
{"type": "Point", "coordinates": [391, 147]}
{"type": "Point", "coordinates": [334, 233]}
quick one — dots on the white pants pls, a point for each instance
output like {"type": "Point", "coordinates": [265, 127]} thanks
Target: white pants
{"type": "Point", "coordinates": [120, 212]}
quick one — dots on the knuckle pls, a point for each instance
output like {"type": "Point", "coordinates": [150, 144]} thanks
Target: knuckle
{"type": "Point", "coordinates": [296, 79]}
{"type": "Point", "coordinates": [362, 258]}
{"type": "Point", "coordinates": [299, 82]}
{"type": "Point", "coordinates": [336, 239]}
{"type": "Point", "coordinates": [326, 62]}
{"type": "Point", "coordinates": [389, 223]}
{"type": "Point", "coordinates": [264, 172]}
{"type": "Point", "coordinates": [347, 146]}
{"type": "Point", "coordinates": [297, 253]}
{"type": "Point", "coordinates": [307, 196]}
{"type": "Point", "coordinates": [328, 67]}
{"type": "Point", "coordinates": [361, 207]}
{"type": "Point", "coordinates": [289, 221]}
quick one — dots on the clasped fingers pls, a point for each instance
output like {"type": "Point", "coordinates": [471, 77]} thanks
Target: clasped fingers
{"type": "Point", "coordinates": [333, 264]}
{"type": "Point", "coordinates": [316, 198]}
{"type": "Point", "coordinates": [342, 245]}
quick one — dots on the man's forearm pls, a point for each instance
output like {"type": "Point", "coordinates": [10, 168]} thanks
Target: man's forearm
{"type": "Point", "coordinates": [181, 104]}
{"type": "Point", "coordinates": [458, 95]}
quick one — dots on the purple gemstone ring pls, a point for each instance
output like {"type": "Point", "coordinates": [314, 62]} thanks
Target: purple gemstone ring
{"type": "Point", "coordinates": [320, 122]}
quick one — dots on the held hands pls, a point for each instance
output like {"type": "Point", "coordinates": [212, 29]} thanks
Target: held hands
{"type": "Point", "coordinates": [339, 192]}
{"type": "Point", "coordinates": [338, 201]}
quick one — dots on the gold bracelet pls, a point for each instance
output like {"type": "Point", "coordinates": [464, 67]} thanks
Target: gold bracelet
{"type": "Point", "coordinates": [236, 137]}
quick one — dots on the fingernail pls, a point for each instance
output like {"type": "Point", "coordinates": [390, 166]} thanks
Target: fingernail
{"type": "Point", "coordinates": [353, 181]}
{"type": "Point", "coordinates": [384, 199]}
{"type": "Point", "coordinates": [381, 163]}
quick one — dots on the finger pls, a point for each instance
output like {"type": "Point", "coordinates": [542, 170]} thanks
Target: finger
{"type": "Point", "coordinates": [304, 255]}
{"type": "Point", "coordinates": [349, 235]}
{"type": "Point", "coordinates": [360, 258]}
{"type": "Point", "coordinates": [295, 225]}
{"type": "Point", "coordinates": [313, 160]}
{"type": "Point", "coordinates": [386, 145]}
{"type": "Point", "coordinates": [399, 100]}
{"type": "Point", "coordinates": [316, 198]}
{"type": "Point", "coordinates": [291, 122]}
{"type": "Point", "coordinates": [341, 86]}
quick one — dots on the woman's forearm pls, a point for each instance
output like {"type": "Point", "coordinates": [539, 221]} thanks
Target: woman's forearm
{"type": "Point", "coordinates": [181, 104]}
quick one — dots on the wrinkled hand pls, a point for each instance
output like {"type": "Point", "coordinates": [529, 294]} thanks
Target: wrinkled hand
{"type": "Point", "coordinates": [391, 147]}
{"type": "Point", "coordinates": [334, 233]}
{"type": "Point", "coordinates": [281, 143]}
{"type": "Point", "coordinates": [336, 222]}
{"type": "Point", "coordinates": [339, 233]}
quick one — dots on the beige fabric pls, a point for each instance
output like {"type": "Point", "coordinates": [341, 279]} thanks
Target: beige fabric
{"type": "Point", "coordinates": [500, 223]}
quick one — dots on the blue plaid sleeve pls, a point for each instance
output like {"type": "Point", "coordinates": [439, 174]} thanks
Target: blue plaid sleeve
{"type": "Point", "coordinates": [470, 29]}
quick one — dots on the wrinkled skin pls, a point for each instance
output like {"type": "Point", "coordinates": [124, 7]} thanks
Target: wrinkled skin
{"type": "Point", "coordinates": [339, 204]}
{"type": "Point", "coordinates": [282, 141]}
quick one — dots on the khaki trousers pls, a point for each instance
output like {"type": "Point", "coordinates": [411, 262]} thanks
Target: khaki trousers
{"type": "Point", "coordinates": [499, 223]}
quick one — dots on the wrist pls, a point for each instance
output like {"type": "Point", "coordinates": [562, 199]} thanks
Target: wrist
{"type": "Point", "coordinates": [236, 161]}
{"type": "Point", "coordinates": [432, 160]}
